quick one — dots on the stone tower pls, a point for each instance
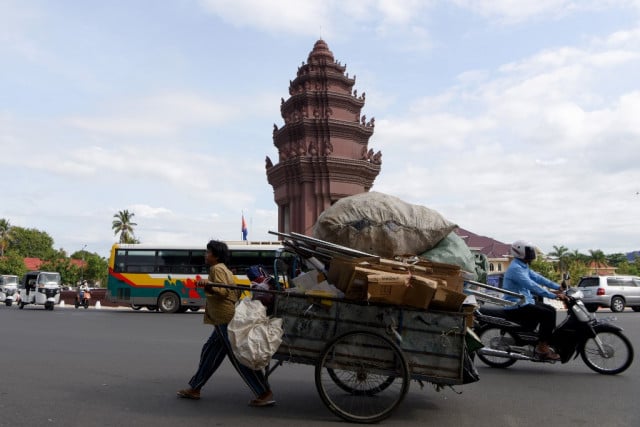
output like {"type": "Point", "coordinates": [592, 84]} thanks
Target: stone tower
{"type": "Point", "coordinates": [323, 152]}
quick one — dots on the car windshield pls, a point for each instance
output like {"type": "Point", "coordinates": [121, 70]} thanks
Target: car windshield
{"type": "Point", "coordinates": [10, 280]}
{"type": "Point", "coordinates": [46, 278]}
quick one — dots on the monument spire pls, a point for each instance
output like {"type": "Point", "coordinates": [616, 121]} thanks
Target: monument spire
{"type": "Point", "coordinates": [323, 151]}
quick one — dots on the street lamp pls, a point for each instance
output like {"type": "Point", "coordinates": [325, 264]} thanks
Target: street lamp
{"type": "Point", "coordinates": [82, 266]}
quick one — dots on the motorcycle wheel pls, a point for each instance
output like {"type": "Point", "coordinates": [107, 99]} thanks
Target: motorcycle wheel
{"type": "Point", "coordinates": [618, 353]}
{"type": "Point", "coordinates": [496, 339]}
{"type": "Point", "coordinates": [636, 308]}
{"type": "Point", "coordinates": [136, 307]}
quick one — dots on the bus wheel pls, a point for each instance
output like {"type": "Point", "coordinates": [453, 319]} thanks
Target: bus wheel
{"type": "Point", "coordinates": [169, 302]}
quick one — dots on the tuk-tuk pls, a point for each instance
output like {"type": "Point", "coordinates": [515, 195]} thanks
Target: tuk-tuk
{"type": "Point", "coordinates": [40, 288]}
{"type": "Point", "coordinates": [8, 289]}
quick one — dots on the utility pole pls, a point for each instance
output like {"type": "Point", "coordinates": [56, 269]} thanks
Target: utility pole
{"type": "Point", "coordinates": [82, 266]}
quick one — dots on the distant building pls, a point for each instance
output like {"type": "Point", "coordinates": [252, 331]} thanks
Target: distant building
{"type": "Point", "coordinates": [34, 263]}
{"type": "Point", "coordinates": [497, 252]}
{"type": "Point", "coordinates": [601, 269]}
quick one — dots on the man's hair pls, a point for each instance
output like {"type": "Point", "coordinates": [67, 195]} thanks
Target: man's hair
{"type": "Point", "coordinates": [219, 249]}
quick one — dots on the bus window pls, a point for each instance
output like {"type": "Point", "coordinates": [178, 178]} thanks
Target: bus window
{"type": "Point", "coordinates": [120, 261]}
{"type": "Point", "coordinates": [141, 261]}
{"type": "Point", "coordinates": [173, 261]}
{"type": "Point", "coordinates": [240, 260]}
{"type": "Point", "coordinates": [198, 264]}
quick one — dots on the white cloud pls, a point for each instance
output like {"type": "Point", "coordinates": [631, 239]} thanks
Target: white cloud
{"type": "Point", "coordinates": [158, 115]}
{"type": "Point", "coordinates": [401, 19]}
{"type": "Point", "coordinates": [515, 11]}
{"type": "Point", "coordinates": [536, 144]}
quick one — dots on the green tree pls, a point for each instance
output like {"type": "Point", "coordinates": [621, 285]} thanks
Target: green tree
{"type": "Point", "coordinates": [616, 259]}
{"type": "Point", "coordinates": [5, 235]}
{"type": "Point", "coordinates": [96, 267]}
{"type": "Point", "coordinates": [597, 259]}
{"type": "Point", "coordinates": [627, 267]}
{"type": "Point", "coordinates": [575, 255]}
{"type": "Point", "coordinates": [561, 252]}
{"type": "Point", "coordinates": [577, 269]}
{"type": "Point", "coordinates": [12, 263]}
{"type": "Point", "coordinates": [123, 224]}
{"type": "Point", "coordinates": [545, 268]}
{"type": "Point", "coordinates": [29, 242]}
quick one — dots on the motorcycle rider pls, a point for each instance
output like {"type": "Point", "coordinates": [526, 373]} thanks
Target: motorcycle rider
{"type": "Point", "coordinates": [82, 290]}
{"type": "Point", "coordinates": [521, 279]}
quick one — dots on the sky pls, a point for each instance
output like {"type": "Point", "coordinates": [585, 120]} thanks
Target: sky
{"type": "Point", "coordinates": [514, 120]}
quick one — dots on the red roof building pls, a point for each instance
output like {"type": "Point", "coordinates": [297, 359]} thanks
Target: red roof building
{"type": "Point", "coordinates": [497, 252]}
{"type": "Point", "coordinates": [34, 263]}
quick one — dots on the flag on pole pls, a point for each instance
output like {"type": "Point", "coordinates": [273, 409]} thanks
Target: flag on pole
{"type": "Point", "coordinates": [245, 231]}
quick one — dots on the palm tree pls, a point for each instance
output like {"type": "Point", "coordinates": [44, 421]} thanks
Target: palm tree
{"type": "Point", "coordinates": [561, 253]}
{"type": "Point", "coordinates": [122, 224]}
{"type": "Point", "coordinates": [5, 235]}
{"type": "Point", "coordinates": [597, 259]}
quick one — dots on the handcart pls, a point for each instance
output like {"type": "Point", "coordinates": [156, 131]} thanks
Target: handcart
{"type": "Point", "coordinates": [365, 354]}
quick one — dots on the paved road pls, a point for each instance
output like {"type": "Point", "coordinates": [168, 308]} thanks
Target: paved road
{"type": "Point", "coordinates": [121, 368]}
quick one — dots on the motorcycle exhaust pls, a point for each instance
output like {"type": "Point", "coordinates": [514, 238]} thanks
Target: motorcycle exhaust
{"type": "Point", "coordinates": [502, 353]}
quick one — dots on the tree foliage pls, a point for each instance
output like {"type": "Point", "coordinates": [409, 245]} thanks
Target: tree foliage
{"type": "Point", "coordinates": [5, 235]}
{"type": "Point", "coordinates": [96, 267]}
{"type": "Point", "coordinates": [12, 263]}
{"type": "Point", "coordinates": [123, 224]}
{"type": "Point", "coordinates": [29, 242]}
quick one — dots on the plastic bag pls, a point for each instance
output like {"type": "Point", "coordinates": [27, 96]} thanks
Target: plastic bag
{"type": "Point", "coordinates": [254, 337]}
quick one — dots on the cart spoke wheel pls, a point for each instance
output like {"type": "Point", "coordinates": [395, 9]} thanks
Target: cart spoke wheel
{"type": "Point", "coordinates": [362, 377]}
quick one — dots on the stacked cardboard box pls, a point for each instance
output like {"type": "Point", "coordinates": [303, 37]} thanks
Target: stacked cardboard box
{"type": "Point", "coordinates": [424, 284]}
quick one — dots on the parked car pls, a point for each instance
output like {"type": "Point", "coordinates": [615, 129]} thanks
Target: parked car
{"type": "Point", "coordinates": [615, 292]}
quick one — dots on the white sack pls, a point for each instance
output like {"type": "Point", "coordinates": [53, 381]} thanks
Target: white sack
{"type": "Point", "coordinates": [254, 337]}
{"type": "Point", "coordinates": [381, 224]}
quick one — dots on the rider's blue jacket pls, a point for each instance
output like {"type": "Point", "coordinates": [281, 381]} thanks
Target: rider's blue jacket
{"type": "Point", "coordinates": [521, 279]}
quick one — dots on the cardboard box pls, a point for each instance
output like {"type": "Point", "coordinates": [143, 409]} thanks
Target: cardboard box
{"type": "Point", "coordinates": [341, 270]}
{"type": "Point", "coordinates": [447, 299]}
{"type": "Point", "coordinates": [420, 292]}
{"type": "Point", "coordinates": [454, 282]}
{"type": "Point", "coordinates": [387, 287]}
{"type": "Point", "coordinates": [357, 285]}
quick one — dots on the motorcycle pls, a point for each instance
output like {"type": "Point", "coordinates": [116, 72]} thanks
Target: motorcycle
{"type": "Point", "coordinates": [602, 345]}
{"type": "Point", "coordinates": [82, 299]}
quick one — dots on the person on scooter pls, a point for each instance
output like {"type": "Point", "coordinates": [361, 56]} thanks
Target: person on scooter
{"type": "Point", "coordinates": [521, 279]}
{"type": "Point", "coordinates": [82, 289]}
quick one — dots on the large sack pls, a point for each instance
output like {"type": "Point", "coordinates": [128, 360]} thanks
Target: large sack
{"type": "Point", "coordinates": [381, 224]}
{"type": "Point", "coordinates": [254, 337]}
{"type": "Point", "coordinates": [453, 250]}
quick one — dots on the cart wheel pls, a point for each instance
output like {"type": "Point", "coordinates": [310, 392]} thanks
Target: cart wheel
{"type": "Point", "coordinates": [375, 388]}
{"type": "Point", "coordinates": [362, 377]}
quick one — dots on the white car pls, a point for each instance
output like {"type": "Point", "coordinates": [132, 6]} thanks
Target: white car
{"type": "Point", "coordinates": [615, 292]}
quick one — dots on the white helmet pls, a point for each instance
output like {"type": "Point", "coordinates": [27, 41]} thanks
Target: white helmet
{"type": "Point", "coordinates": [523, 250]}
